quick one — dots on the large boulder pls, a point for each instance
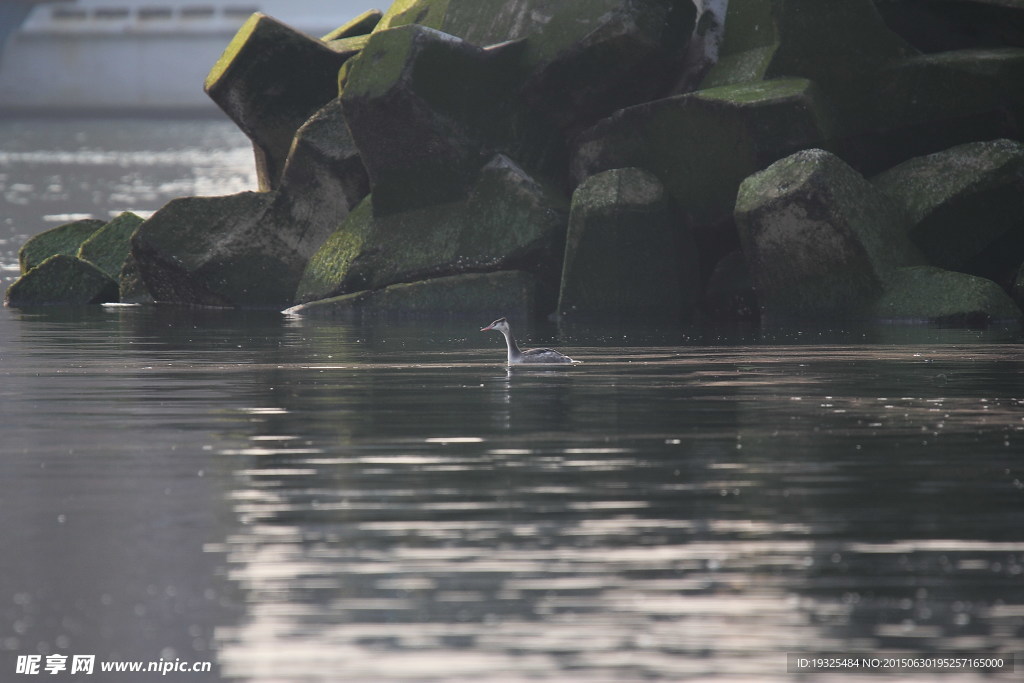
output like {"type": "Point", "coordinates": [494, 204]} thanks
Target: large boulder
{"type": "Point", "coordinates": [838, 44]}
{"type": "Point", "coordinates": [962, 201]}
{"type": "Point", "coordinates": [929, 294]}
{"type": "Point", "coordinates": [702, 145]}
{"type": "Point", "coordinates": [508, 221]}
{"type": "Point", "coordinates": [480, 294]}
{"type": "Point", "coordinates": [323, 180]}
{"type": "Point", "coordinates": [943, 25]}
{"type": "Point", "coordinates": [624, 257]}
{"type": "Point", "coordinates": [212, 251]}
{"type": "Point", "coordinates": [407, 98]}
{"type": "Point", "coordinates": [64, 239]}
{"type": "Point", "coordinates": [821, 241]}
{"type": "Point", "coordinates": [61, 280]}
{"type": "Point", "coordinates": [269, 81]}
{"type": "Point", "coordinates": [108, 247]}
{"type": "Point", "coordinates": [927, 103]}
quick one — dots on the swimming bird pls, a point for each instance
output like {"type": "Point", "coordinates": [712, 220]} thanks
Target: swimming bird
{"type": "Point", "coordinates": [517, 357]}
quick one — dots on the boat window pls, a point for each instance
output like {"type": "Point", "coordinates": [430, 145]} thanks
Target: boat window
{"type": "Point", "coordinates": [243, 12]}
{"type": "Point", "coordinates": [197, 11]}
{"type": "Point", "coordinates": [66, 13]}
{"type": "Point", "coordinates": [155, 13]}
{"type": "Point", "coordinates": [111, 13]}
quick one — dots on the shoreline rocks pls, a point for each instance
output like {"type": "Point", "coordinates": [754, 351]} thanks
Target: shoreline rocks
{"type": "Point", "coordinates": [670, 159]}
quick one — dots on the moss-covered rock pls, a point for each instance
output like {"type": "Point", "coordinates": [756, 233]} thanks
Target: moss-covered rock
{"type": "Point", "coordinates": [130, 287]}
{"type": "Point", "coordinates": [623, 255]}
{"type": "Point", "coordinates": [61, 280]}
{"type": "Point", "coordinates": [596, 56]}
{"type": "Point", "coordinates": [962, 200]}
{"type": "Point", "coordinates": [64, 239]}
{"type": "Point", "coordinates": [821, 241]}
{"type": "Point", "coordinates": [269, 81]}
{"type": "Point", "coordinates": [323, 180]}
{"type": "Point", "coordinates": [511, 292]}
{"type": "Point", "coordinates": [508, 221]}
{"type": "Point", "coordinates": [838, 44]}
{"type": "Point", "coordinates": [108, 247]}
{"type": "Point", "coordinates": [702, 145]}
{"type": "Point", "coordinates": [360, 25]}
{"type": "Point", "coordinates": [929, 294]}
{"type": "Point", "coordinates": [927, 103]}
{"type": "Point", "coordinates": [406, 99]}
{"type": "Point", "coordinates": [211, 251]}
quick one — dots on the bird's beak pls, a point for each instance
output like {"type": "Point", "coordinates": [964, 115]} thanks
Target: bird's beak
{"type": "Point", "coordinates": [489, 327]}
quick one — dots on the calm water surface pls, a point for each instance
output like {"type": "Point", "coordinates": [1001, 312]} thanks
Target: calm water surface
{"type": "Point", "coordinates": [305, 501]}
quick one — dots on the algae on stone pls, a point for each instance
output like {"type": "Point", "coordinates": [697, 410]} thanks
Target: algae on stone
{"type": "Point", "coordinates": [405, 99]}
{"type": "Point", "coordinates": [61, 280]}
{"type": "Point", "coordinates": [64, 239]}
{"type": "Point", "coordinates": [929, 294]}
{"type": "Point", "coordinates": [507, 221]}
{"type": "Point", "coordinates": [108, 247]}
{"type": "Point", "coordinates": [961, 200]}
{"type": "Point", "coordinates": [510, 292]}
{"type": "Point", "coordinates": [360, 25]}
{"type": "Point", "coordinates": [623, 255]}
{"type": "Point", "coordinates": [819, 238]}
{"type": "Point", "coordinates": [208, 251]}
{"type": "Point", "coordinates": [838, 44]}
{"type": "Point", "coordinates": [269, 81]}
{"type": "Point", "coordinates": [703, 144]}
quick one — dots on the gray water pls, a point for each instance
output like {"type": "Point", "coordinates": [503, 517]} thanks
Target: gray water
{"type": "Point", "coordinates": [307, 501]}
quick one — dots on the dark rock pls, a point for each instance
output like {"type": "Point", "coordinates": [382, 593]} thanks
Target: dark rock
{"type": "Point", "coordinates": [64, 239]}
{"type": "Point", "coordinates": [61, 280]}
{"type": "Point", "coordinates": [511, 292]}
{"type": "Point", "coordinates": [838, 44]}
{"type": "Point", "coordinates": [323, 180]}
{"type": "Point", "coordinates": [406, 99]}
{"type": "Point", "coordinates": [269, 81]}
{"type": "Point", "coordinates": [622, 252]}
{"type": "Point", "coordinates": [596, 56]}
{"type": "Point", "coordinates": [508, 221]}
{"type": "Point", "coordinates": [962, 200]}
{"type": "Point", "coordinates": [703, 144]}
{"type": "Point", "coordinates": [108, 247]}
{"type": "Point", "coordinates": [929, 294]}
{"type": "Point", "coordinates": [130, 287]}
{"type": "Point", "coordinates": [925, 104]}
{"type": "Point", "coordinates": [821, 241]}
{"type": "Point", "coordinates": [944, 25]}
{"type": "Point", "coordinates": [359, 26]}
{"type": "Point", "coordinates": [730, 291]}
{"type": "Point", "coordinates": [212, 251]}
{"type": "Point", "coordinates": [1017, 288]}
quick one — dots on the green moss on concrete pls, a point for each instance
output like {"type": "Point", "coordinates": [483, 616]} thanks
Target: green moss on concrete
{"type": "Point", "coordinates": [929, 294]}
{"type": "Point", "coordinates": [64, 239]}
{"type": "Point", "coordinates": [702, 145]}
{"type": "Point", "coordinates": [108, 247]}
{"type": "Point", "coordinates": [961, 200]}
{"type": "Point", "coordinates": [61, 280]}
{"type": "Point", "coordinates": [428, 13]}
{"type": "Point", "coordinates": [507, 221]}
{"type": "Point", "coordinates": [480, 294]}
{"type": "Point", "coordinates": [360, 25]}
{"type": "Point", "coordinates": [820, 240]}
{"type": "Point", "coordinates": [623, 256]}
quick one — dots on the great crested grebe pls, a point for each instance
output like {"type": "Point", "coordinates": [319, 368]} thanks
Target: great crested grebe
{"type": "Point", "coordinates": [517, 357]}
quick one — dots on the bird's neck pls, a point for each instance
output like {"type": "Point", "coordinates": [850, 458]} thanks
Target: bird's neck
{"type": "Point", "coordinates": [513, 349]}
